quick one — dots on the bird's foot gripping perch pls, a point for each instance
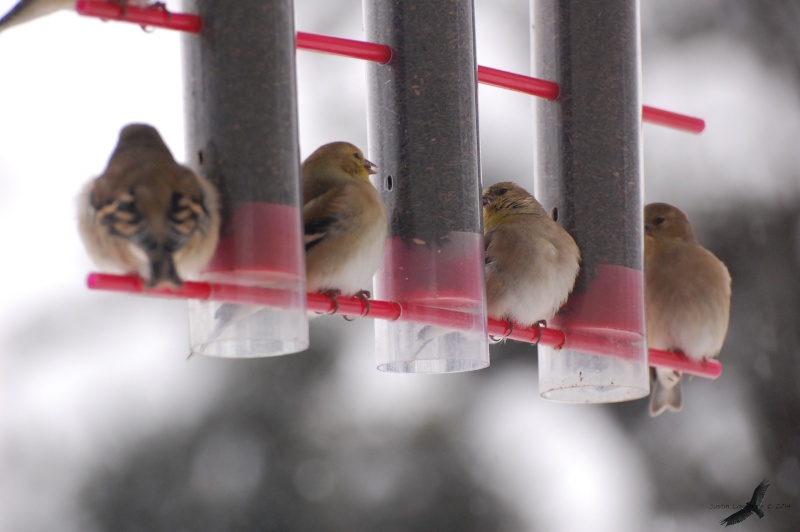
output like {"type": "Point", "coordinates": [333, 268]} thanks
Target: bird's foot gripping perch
{"type": "Point", "coordinates": [364, 296]}
{"type": "Point", "coordinates": [501, 339]}
{"type": "Point", "coordinates": [538, 325]}
{"type": "Point", "coordinates": [334, 295]}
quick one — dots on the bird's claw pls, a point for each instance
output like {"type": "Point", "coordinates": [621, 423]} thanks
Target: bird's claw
{"type": "Point", "coordinates": [156, 6]}
{"type": "Point", "coordinates": [364, 296]}
{"type": "Point", "coordinates": [538, 325]}
{"type": "Point", "coordinates": [334, 295]}
{"type": "Point", "coordinates": [506, 335]}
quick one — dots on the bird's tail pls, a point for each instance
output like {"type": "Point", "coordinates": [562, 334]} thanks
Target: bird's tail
{"type": "Point", "coordinates": [759, 512]}
{"type": "Point", "coordinates": [163, 273]}
{"type": "Point", "coordinates": [665, 397]}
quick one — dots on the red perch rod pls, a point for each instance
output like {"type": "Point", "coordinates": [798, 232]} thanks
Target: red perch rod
{"type": "Point", "coordinates": [155, 15]}
{"type": "Point", "coordinates": [368, 51]}
{"type": "Point", "coordinates": [391, 310]}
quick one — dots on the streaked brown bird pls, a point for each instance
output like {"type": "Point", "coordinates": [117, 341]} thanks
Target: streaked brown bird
{"type": "Point", "coordinates": [148, 215]}
{"type": "Point", "coordinates": [687, 298]}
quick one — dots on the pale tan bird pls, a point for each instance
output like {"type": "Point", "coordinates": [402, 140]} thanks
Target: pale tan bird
{"type": "Point", "coordinates": [531, 262]}
{"type": "Point", "coordinates": [345, 220]}
{"type": "Point", "coordinates": [687, 298]}
{"type": "Point", "coordinates": [27, 10]}
{"type": "Point", "coordinates": [148, 215]}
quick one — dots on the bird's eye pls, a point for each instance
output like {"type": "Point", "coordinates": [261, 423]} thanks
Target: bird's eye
{"type": "Point", "coordinates": [660, 220]}
{"type": "Point", "coordinates": [357, 155]}
{"type": "Point", "coordinates": [502, 191]}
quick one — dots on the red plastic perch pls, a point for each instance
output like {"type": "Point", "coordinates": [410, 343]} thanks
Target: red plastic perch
{"type": "Point", "coordinates": [541, 88]}
{"type": "Point", "coordinates": [390, 310]}
{"type": "Point", "coordinates": [155, 15]}
{"type": "Point", "coordinates": [369, 51]}
{"type": "Point", "coordinates": [517, 82]}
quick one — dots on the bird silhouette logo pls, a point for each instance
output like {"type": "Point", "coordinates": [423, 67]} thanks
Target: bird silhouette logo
{"type": "Point", "coordinates": [752, 507]}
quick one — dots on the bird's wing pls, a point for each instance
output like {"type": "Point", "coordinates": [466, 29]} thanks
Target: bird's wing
{"type": "Point", "coordinates": [124, 218]}
{"type": "Point", "coordinates": [319, 215]}
{"type": "Point", "coordinates": [759, 492]}
{"type": "Point", "coordinates": [487, 240]}
{"type": "Point", "coordinates": [737, 517]}
{"type": "Point", "coordinates": [186, 215]}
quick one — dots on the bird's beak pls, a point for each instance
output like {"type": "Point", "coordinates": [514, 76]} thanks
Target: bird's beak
{"type": "Point", "coordinates": [648, 229]}
{"type": "Point", "coordinates": [485, 200]}
{"type": "Point", "coordinates": [370, 166]}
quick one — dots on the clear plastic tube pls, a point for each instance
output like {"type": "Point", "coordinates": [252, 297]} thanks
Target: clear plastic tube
{"type": "Point", "coordinates": [588, 175]}
{"type": "Point", "coordinates": [424, 138]}
{"type": "Point", "coordinates": [242, 126]}
{"type": "Point", "coordinates": [450, 277]}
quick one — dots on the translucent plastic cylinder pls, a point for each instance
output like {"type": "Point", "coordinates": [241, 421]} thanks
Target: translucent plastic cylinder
{"type": "Point", "coordinates": [423, 136]}
{"type": "Point", "coordinates": [242, 133]}
{"type": "Point", "coordinates": [448, 278]}
{"type": "Point", "coordinates": [604, 358]}
{"type": "Point", "coordinates": [588, 175]}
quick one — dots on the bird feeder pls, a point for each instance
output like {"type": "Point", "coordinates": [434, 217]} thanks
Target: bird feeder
{"type": "Point", "coordinates": [603, 320]}
{"type": "Point", "coordinates": [588, 176]}
{"type": "Point", "coordinates": [241, 115]}
{"type": "Point", "coordinates": [423, 135]}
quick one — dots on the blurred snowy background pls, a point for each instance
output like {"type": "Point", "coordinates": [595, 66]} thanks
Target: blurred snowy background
{"type": "Point", "coordinates": [105, 426]}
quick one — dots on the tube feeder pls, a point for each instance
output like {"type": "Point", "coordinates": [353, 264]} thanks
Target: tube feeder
{"type": "Point", "coordinates": [589, 177]}
{"type": "Point", "coordinates": [241, 122]}
{"type": "Point", "coordinates": [423, 135]}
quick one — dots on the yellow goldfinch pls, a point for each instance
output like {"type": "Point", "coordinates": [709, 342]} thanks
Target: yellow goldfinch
{"type": "Point", "coordinates": [687, 298]}
{"type": "Point", "coordinates": [345, 220]}
{"type": "Point", "coordinates": [531, 261]}
{"type": "Point", "coordinates": [148, 215]}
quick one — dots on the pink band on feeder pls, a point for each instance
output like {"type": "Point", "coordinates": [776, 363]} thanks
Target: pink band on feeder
{"type": "Point", "coordinates": [451, 275]}
{"type": "Point", "coordinates": [252, 236]}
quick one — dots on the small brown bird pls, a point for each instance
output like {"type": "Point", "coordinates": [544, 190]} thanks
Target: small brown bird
{"type": "Point", "coordinates": [345, 220]}
{"type": "Point", "coordinates": [687, 298]}
{"type": "Point", "coordinates": [531, 262]}
{"type": "Point", "coordinates": [146, 214]}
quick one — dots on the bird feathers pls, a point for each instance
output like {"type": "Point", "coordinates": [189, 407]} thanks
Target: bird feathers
{"type": "Point", "coordinates": [148, 215]}
{"type": "Point", "coordinates": [530, 261]}
{"type": "Point", "coordinates": [344, 219]}
{"type": "Point", "coordinates": [687, 298]}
